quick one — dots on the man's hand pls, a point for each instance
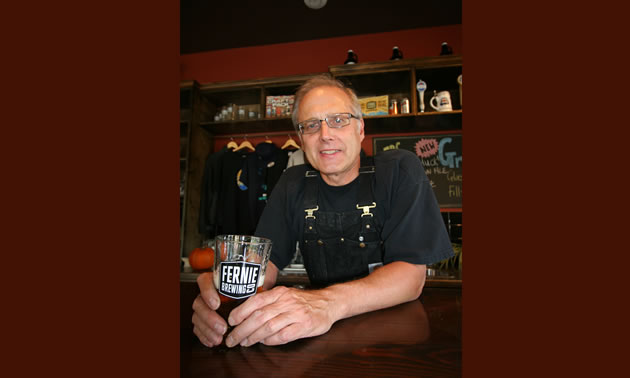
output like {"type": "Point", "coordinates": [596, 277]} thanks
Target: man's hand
{"type": "Point", "coordinates": [279, 316]}
{"type": "Point", "coordinates": [208, 325]}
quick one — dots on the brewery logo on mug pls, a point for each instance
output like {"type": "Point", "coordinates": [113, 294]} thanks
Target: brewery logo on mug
{"type": "Point", "coordinates": [238, 279]}
{"type": "Point", "coordinates": [442, 101]}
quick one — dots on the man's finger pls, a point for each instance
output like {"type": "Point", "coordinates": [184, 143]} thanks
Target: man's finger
{"type": "Point", "coordinates": [254, 303]}
{"type": "Point", "coordinates": [290, 333]}
{"type": "Point", "coordinates": [207, 336]}
{"type": "Point", "coordinates": [270, 329]}
{"type": "Point", "coordinates": [208, 291]}
{"type": "Point", "coordinates": [257, 321]}
{"type": "Point", "coordinates": [202, 338]}
{"type": "Point", "coordinates": [208, 316]}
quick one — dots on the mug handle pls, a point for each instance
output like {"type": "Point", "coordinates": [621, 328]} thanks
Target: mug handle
{"type": "Point", "coordinates": [431, 103]}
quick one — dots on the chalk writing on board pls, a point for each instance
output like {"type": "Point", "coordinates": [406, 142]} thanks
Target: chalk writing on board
{"type": "Point", "coordinates": [448, 158]}
{"type": "Point", "coordinates": [441, 157]}
{"type": "Point", "coordinates": [426, 147]}
{"type": "Point", "coordinates": [391, 146]}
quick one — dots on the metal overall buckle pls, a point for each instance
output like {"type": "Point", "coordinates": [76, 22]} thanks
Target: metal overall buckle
{"type": "Point", "coordinates": [309, 212]}
{"type": "Point", "coordinates": [366, 209]}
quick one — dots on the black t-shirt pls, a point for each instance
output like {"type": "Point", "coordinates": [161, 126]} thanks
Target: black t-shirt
{"type": "Point", "coordinates": [234, 208]}
{"type": "Point", "coordinates": [260, 173]}
{"type": "Point", "coordinates": [412, 228]}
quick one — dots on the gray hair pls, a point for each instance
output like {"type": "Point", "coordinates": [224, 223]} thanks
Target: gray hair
{"type": "Point", "coordinates": [324, 80]}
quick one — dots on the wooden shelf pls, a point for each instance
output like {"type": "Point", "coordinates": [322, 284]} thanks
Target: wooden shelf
{"type": "Point", "coordinates": [255, 83]}
{"type": "Point", "coordinates": [265, 125]}
{"type": "Point", "coordinates": [433, 121]}
{"type": "Point", "coordinates": [399, 65]}
{"type": "Point", "coordinates": [402, 123]}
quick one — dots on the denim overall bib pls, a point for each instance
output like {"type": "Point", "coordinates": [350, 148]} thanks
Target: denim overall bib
{"type": "Point", "coordinates": [341, 246]}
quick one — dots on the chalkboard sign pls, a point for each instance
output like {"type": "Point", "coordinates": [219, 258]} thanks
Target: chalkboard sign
{"type": "Point", "coordinates": [441, 156]}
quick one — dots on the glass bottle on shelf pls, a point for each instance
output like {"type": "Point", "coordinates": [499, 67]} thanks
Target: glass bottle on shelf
{"type": "Point", "coordinates": [352, 58]}
{"type": "Point", "coordinates": [396, 54]}
{"type": "Point", "coordinates": [446, 49]}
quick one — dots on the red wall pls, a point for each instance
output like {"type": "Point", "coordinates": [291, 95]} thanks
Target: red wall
{"type": "Point", "coordinates": [314, 56]}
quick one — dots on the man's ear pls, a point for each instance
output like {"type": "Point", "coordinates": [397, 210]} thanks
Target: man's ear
{"type": "Point", "coordinates": [362, 130]}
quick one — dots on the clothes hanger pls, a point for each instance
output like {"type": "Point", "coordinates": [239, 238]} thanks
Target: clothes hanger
{"type": "Point", "coordinates": [245, 144]}
{"type": "Point", "coordinates": [267, 140]}
{"type": "Point", "coordinates": [232, 144]}
{"type": "Point", "coordinates": [290, 143]}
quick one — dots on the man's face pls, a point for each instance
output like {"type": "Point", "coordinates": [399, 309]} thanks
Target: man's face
{"type": "Point", "coordinates": [335, 153]}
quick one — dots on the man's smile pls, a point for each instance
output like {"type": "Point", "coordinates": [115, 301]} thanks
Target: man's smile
{"type": "Point", "coordinates": [329, 152]}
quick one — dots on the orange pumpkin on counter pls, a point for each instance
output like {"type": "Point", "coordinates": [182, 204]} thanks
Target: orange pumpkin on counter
{"type": "Point", "coordinates": [201, 258]}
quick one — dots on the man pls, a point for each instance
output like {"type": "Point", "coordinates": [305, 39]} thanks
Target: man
{"type": "Point", "coordinates": [366, 231]}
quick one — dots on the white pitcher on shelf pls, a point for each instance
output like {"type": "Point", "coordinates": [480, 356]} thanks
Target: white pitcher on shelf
{"type": "Point", "coordinates": [443, 101]}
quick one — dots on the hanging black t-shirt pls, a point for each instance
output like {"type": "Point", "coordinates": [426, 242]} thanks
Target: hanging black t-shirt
{"type": "Point", "coordinates": [234, 209]}
{"type": "Point", "coordinates": [412, 228]}
{"type": "Point", "coordinates": [260, 172]}
{"type": "Point", "coordinates": [209, 195]}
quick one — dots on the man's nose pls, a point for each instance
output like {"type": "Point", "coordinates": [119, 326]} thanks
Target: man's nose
{"type": "Point", "coordinates": [324, 130]}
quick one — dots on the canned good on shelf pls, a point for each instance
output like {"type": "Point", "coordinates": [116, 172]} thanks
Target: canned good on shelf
{"type": "Point", "coordinates": [404, 107]}
{"type": "Point", "coordinates": [393, 107]}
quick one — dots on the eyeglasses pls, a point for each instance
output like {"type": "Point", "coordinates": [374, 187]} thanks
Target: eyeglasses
{"type": "Point", "coordinates": [336, 121]}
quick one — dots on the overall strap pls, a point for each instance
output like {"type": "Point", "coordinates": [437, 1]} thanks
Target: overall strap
{"type": "Point", "coordinates": [311, 178]}
{"type": "Point", "coordinates": [366, 172]}
{"type": "Point", "coordinates": [366, 203]}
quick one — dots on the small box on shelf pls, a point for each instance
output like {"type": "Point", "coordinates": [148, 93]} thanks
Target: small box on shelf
{"type": "Point", "coordinates": [279, 106]}
{"type": "Point", "coordinates": [376, 105]}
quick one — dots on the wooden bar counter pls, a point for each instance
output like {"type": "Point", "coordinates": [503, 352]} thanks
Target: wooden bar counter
{"type": "Point", "coordinates": [419, 338]}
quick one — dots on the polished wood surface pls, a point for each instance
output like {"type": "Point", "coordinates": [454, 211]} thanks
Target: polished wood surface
{"type": "Point", "coordinates": [419, 338]}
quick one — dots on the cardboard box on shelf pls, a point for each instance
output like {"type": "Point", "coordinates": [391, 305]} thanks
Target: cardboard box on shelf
{"type": "Point", "coordinates": [279, 106]}
{"type": "Point", "coordinates": [376, 105]}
